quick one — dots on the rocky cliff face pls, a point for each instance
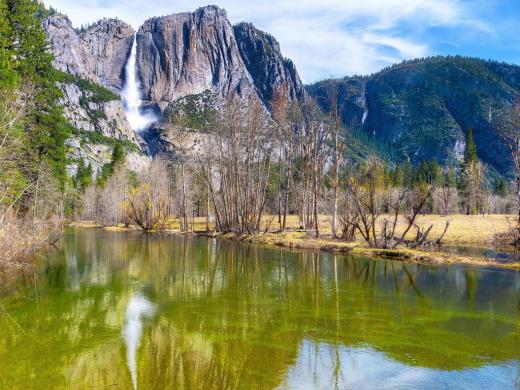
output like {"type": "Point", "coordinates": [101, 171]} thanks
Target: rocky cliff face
{"type": "Point", "coordinates": [94, 60]}
{"type": "Point", "coordinates": [265, 63]}
{"type": "Point", "coordinates": [97, 53]}
{"type": "Point", "coordinates": [189, 53]}
{"type": "Point", "coordinates": [180, 56]}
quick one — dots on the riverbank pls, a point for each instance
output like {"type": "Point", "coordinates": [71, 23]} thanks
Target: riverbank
{"type": "Point", "coordinates": [467, 231]}
{"type": "Point", "coordinates": [297, 240]}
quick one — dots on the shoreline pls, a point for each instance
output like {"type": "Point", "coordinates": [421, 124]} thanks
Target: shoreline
{"type": "Point", "coordinates": [298, 240]}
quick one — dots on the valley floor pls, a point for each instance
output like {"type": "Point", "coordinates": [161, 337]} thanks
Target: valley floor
{"type": "Point", "coordinates": [469, 239]}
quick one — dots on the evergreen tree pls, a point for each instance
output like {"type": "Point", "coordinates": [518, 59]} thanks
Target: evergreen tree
{"type": "Point", "coordinates": [118, 154]}
{"type": "Point", "coordinates": [500, 187]}
{"type": "Point", "coordinates": [407, 174]}
{"type": "Point", "coordinates": [470, 155]}
{"type": "Point", "coordinates": [472, 177]}
{"type": "Point", "coordinates": [118, 157]}
{"type": "Point", "coordinates": [398, 178]}
{"type": "Point", "coordinates": [46, 130]}
{"type": "Point", "coordinates": [7, 73]}
{"type": "Point", "coordinates": [83, 176]}
{"type": "Point", "coordinates": [450, 178]}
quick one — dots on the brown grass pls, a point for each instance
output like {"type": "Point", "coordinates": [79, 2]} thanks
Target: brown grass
{"type": "Point", "coordinates": [474, 230]}
{"type": "Point", "coordinates": [18, 240]}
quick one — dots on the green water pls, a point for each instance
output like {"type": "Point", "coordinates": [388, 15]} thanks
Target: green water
{"type": "Point", "coordinates": [124, 310]}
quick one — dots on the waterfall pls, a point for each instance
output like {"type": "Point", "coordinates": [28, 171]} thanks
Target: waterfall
{"type": "Point", "coordinates": [132, 95]}
{"type": "Point", "coordinates": [364, 118]}
{"type": "Point", "coordinates": [138, 308]}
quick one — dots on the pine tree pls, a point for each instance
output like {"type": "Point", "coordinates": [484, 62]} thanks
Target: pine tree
{"type": "Point", "coordinates": [472, 176]}
{"type": "Point", "coordinates": [407, 174]}
{"type": "Point", "coordinates": [45, 127]}
{"type": "Point", "coordinates": [118, 157]}
{"type": "Point", "coordinates": [500, 187]}
{"type": "Point", "coordinates": [83, 176]}
{"type": "Point", "coordinates": [7, 73]}
{"type": "Point", "coordinates": [450, 178]}
{"type": "Point", "coordinates": [398, 176]}
{"type": "Point", "coordinates": [470, 155]}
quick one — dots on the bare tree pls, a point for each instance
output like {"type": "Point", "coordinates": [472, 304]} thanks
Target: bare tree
{"type": "Point", "coordinates": [108, 204]}
{"type": "Point", "coordinates": [311, 140]}
{"type": "Point", "coordinates": [237, 167]}
{"type": "Point", "coordinates": [335, 105]}
{"type": "Point", "coordinates": [286, 116]}
{"type": "Point", "coordinates": [472, 177]}
{"type": "Point", "coordinates": [369, 195]}
{"type": "Point", "coordinates": [510, 134]}
{"type": "Point", "coordinates": [150, 202]}
{"type": "Point", "coordinates": [448, 189]}
{"type": "Point", "coordinates": [364, 186]}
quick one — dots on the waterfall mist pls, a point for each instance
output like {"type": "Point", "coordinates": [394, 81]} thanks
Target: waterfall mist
{"type": "Point", "coordinates": [132, 95]}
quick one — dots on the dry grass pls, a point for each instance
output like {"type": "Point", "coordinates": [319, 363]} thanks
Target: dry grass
{"type": "Point", "coordinates": [18, 240]}
{"type": "Point", "coordinates": [464, 229]}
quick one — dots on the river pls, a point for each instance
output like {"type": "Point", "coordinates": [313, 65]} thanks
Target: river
{"type": "Point", "coordinates": [115, 310]}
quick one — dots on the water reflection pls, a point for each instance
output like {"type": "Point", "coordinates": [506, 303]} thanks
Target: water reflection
{"type": "Point", "coordinates": [138, 308]}
{"type": "Point", "coordinates": [326, 366]}
{"type": "Point", "coordinates": [236, 316]}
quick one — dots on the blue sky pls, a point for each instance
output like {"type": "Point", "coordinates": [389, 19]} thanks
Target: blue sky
{"type": "Point", "coordinates": [345, 37]}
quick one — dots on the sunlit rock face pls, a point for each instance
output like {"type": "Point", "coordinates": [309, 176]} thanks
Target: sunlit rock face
{"type": "Point", "coordinates": [188, 53]}
{"type": "Point", "coordinates": [98, 53]}
{"type": "Point", "coordinates": [265, 63]}
{"type": "Point", "coordinates": [175, 57]}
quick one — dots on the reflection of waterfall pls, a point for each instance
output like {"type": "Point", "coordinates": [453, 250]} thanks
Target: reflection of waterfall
{"type": "Point", "coordinates": [138, 308]}
{"type": "Point", "coordinates": [132, 95]}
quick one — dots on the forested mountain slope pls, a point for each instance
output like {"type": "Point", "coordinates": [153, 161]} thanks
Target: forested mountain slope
{"type": "Point", "coordinates": [421, 109]}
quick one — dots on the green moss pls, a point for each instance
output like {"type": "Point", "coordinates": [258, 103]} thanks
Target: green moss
{"type": "Point", "coordinates": [100, 94]}
{"type": "Point", "coordinates": [94, 137]}
{"type": "Point", "coordinates": [96, 115]}
{"type": "Point", "coordinates": [192, 111]}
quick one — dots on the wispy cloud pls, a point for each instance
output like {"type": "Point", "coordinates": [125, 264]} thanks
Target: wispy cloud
{"type": "Point", "coordinates": [325, 37]}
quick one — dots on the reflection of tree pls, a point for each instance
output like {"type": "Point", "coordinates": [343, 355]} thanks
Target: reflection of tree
{"type": "Point", "coordinates": [235, 316]}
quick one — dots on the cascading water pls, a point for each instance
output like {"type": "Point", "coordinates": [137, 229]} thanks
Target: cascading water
{"type": "Point", "coordinates": [131, 95]}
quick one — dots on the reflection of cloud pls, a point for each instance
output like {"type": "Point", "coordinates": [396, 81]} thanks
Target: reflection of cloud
{"type": "Point", "coordinates": [325, 366]}
{"type": "Point", "coordinates": [138, 308]}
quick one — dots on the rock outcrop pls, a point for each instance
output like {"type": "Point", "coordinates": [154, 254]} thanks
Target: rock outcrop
{"type": "Point", "coordinates": [265, 63]}
{"type": "Point", "coordinates": [179, 58]}
{"type": "Point", "coordinates": [105, 117]}
{"type": "Point", "coordinates": [97, 53]}
{"type": "Point", "coordinates": [94, 58]}
{"type": "Point", "coordinates": [189, 53]}
{"type": "Point", "coordinates": [192, 53]}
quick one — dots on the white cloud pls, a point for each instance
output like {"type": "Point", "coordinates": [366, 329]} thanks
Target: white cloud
{"type": "Point", "coordinates": [322, 37]}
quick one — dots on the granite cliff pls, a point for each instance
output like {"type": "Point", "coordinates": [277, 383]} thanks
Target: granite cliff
{"type": "Point", "coordinates": [179, 57]}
